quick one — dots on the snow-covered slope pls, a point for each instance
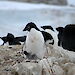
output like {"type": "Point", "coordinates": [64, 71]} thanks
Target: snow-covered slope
{"type": "Point", "coordinates": [14, 16]}
{"type": "Point", "coordinates": [71, 2]}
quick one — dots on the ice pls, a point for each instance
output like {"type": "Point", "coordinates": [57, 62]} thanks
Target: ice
{"type": "Point", "coordinates": [15, 15]}
{"type": "Point", "coordinates": [71, 2]}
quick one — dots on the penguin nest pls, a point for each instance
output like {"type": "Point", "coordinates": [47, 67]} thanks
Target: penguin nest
{"type": "Point", "coordinates": [57, 62]}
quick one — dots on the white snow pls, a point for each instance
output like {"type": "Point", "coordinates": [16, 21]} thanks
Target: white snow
{"type": "Point", "coordinates": [1, 42]}
{"type": "Point", "coordinates": [15, 15]}
{"type": "Point", "coordinates": [71, 2]}
{"type": "Point", "coordinates": [18, 6]}
{"type": "Point", "coordinates": [11, 5]}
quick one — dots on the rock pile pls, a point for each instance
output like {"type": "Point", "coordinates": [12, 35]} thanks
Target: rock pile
{"type": "Point", "coordinates": [57, 62]}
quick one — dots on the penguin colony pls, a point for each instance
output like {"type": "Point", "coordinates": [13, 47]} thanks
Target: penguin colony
{"type": "Point", "coordinates": [36, 40]}
{"type": "Point", "coordinates": [10, 39]}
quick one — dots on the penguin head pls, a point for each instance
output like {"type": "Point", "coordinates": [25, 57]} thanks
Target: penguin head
{"type": "Point", "coordinates": [60, 29]}
{"type": "Point", "coordinates": [47, 27]}
{"type": "Point", "coordinates": [10, 37]}
{"type": "Point", "coordinates": [29, 26]}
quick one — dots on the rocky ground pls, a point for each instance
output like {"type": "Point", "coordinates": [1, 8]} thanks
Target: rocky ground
{"type": "Point", "coordinates": [57, 62]}
{"type": "Point", "coordinates": [9, 56]}
{"type": "Point", "coordinates": [12, 60]}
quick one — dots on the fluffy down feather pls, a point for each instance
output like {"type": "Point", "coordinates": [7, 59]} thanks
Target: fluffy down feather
{"type": "Point", "coordinates": [35, 43]}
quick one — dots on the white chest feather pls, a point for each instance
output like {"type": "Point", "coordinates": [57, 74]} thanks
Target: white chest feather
{"type": "Point", "coordinates": [35, 43]}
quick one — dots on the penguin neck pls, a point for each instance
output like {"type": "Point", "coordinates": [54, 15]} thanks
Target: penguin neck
{"type": "Point", "coordinates": [35, 28]}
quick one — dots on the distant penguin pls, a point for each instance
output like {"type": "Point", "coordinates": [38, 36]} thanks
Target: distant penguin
{"type": "Point", "coordinates": [51, 31]}
{"type": "Point", "coordinates": [34, 45]}
{"type": "Point", "coordinates": [4, 39]}
{"type": "Point", "coordinates": [66, 37]}
{"type": "Point", "coordinates": [47, 27]}
{"type": "Point", "coordinates": [60, 35]}
{"type": "Point", "coordinates": [21, 39]}
{"type": "Point", "coordinates": [11, 40]}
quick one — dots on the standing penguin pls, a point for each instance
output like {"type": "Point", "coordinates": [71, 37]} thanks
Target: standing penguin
{"type": "Point", "coordinates": [51, 31]}
{"type": "Point", "coordinates": [34, 46]}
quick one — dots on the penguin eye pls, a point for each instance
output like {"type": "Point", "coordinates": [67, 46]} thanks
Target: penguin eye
{"type": "Point", "coordinates": [28, 27]}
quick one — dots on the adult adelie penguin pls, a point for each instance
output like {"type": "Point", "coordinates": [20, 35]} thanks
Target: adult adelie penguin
{"type": "Point", "coordinates": [51, 31]}
{"type": "Point", "coordinates": [34, 46]}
